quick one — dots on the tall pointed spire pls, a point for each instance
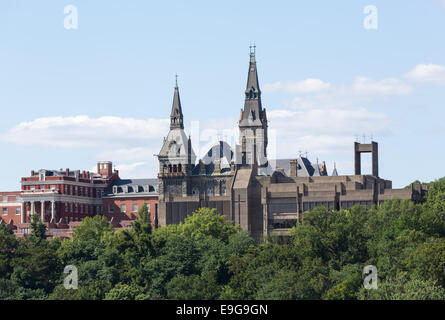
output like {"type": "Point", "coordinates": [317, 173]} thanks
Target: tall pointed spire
{"type": "Point", "coordinates": [176, 117]}
{"type": "Point", "coordinates": [252, 114]}
{"type": "Point", "coordinates": [253, 119]}
{"type": "Point", "coordinates": [253, 87]}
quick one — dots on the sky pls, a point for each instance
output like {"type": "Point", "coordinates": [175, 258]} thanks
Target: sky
{"type": "Point", "coordinates": [329, 71]}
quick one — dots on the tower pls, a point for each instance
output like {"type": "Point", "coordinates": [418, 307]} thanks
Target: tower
{"type": "Point", "coordinates": [176, 158]}
{"type": "Point", "coordinates": [253, 121]}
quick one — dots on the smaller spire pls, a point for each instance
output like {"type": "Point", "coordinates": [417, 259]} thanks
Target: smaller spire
{"type": "Point", "coordinates": [176, 117]}
{"type": "Point", "coordinates": [334, 172]}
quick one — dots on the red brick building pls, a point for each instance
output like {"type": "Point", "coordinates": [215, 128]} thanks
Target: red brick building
{"type": "Point", "coordinates": [11, 207]}
{"type": "Point", "coordinates": [62, 198]}
{"type": "Point", "coordinates": [123, 199]}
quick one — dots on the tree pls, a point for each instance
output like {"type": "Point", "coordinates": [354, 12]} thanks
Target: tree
{"type": "Point", "coordinates": [428, 261]}
{"type": "Point", "coordinates": [403, 287]}
{"type": "Point", "coordinates": [8, 246]}
{"type": "Point", "coordinates": [205, 222]}
{"type": "Point", "coordinates": [193, 287]}
{"type": "Point", "coordinates": [38, 229]}
{"type": "Point", "coordinates": [124, 292]}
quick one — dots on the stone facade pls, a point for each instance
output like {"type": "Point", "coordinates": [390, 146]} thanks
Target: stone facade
{"type": "Point", "coordinates": [261, 196]}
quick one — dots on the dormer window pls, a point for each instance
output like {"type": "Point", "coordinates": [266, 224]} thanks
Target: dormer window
{"type": "Point", "coordinates": [114, 189]}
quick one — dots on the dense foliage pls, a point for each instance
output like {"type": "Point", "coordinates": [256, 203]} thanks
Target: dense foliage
{"type": "Point", "coordinates": [208, 258]}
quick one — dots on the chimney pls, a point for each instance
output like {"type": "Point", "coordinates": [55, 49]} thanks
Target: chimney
{"type": "Point", "coordinates": [67, 173]}
{"type": "Point", "coordinates": [232, 167]}
{"type": "Point", "coordinates": [217, 167]}
{"type": "Point", "coordinates": [202, 167]}
{"type": "Point", "coordinates": [105, 168]}
{"type": "Point", "coordinates": [293, 167]}
{"type": "Point", "coordinates": [32, 173]}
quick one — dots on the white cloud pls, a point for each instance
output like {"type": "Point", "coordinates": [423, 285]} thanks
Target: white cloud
{"type": "Point", "coordinates": [305, 86]}
{"type": "Point", "coordinates": [131, 143]}
{"type": "Point", "coordinates": [390, 86]}
{"type": "Point", "coordinates": [130, 170]}
{"type": "Point", "coordinates": [131, 154]}
{"type": "Point", "coordinates": [427, 73]}
{"type": "Point", "coordinates": [322, 131]}
{"type": "Point", "coordinates": [83, 131]}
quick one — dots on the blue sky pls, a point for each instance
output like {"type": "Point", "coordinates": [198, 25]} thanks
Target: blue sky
{"type": "Point", "coordinates": [69, 98]}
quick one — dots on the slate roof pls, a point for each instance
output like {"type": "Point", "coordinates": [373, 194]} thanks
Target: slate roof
{"type": "Point", "coordinates": [130, 187]}
{"type": "Point", "coordinates": [176, 145]}
{"type": "Point", "coordinates": [220, 151]}
{"type": "Point", "coordinates": [305, 167]}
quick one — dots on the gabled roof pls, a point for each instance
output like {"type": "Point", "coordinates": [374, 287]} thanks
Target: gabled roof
{"type": "Point", "coordinates": [305, 167]}
{"type": "Point", "coordinates": [221, 152]}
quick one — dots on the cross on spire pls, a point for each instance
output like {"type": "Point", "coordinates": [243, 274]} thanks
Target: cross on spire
{"type": "Point", "coordinates": [252, 52]}
{"type": "Point", "coordinates": [176, 80]}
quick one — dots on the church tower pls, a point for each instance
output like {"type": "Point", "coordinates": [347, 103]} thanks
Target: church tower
{"type": "Point", "coordinates": [176, 158]}
{"type": "Point", "coordinates": [253, 121]}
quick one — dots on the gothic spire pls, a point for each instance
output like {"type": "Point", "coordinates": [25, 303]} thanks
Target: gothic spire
{"type": "Point", "coordinates": [176, 117]}
{"type": "Point", "coordinates": [253, 88]}
{"type": "Point", "coordinates": [252, 114]}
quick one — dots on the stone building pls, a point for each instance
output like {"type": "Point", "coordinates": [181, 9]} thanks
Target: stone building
{"type": "Point", "coordinates": [262, 196]}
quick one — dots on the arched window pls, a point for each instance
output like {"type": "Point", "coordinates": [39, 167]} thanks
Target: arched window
{"type": "Point", "coordinates": [179, 167]}
{"type": "Point", "coordinates": [170, 168]}
{"type": "Point", "coordinates": [175, 169]}
{"type": "Point", "coordinates": [223, 190]}
{"type": "Point", "coordinates": [210, 191]}
{"type": "Point", "coordinates": [195, 191]}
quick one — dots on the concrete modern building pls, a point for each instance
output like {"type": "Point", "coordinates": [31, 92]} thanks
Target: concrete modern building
{"type": "Point", "coordinates": [262, 196]}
